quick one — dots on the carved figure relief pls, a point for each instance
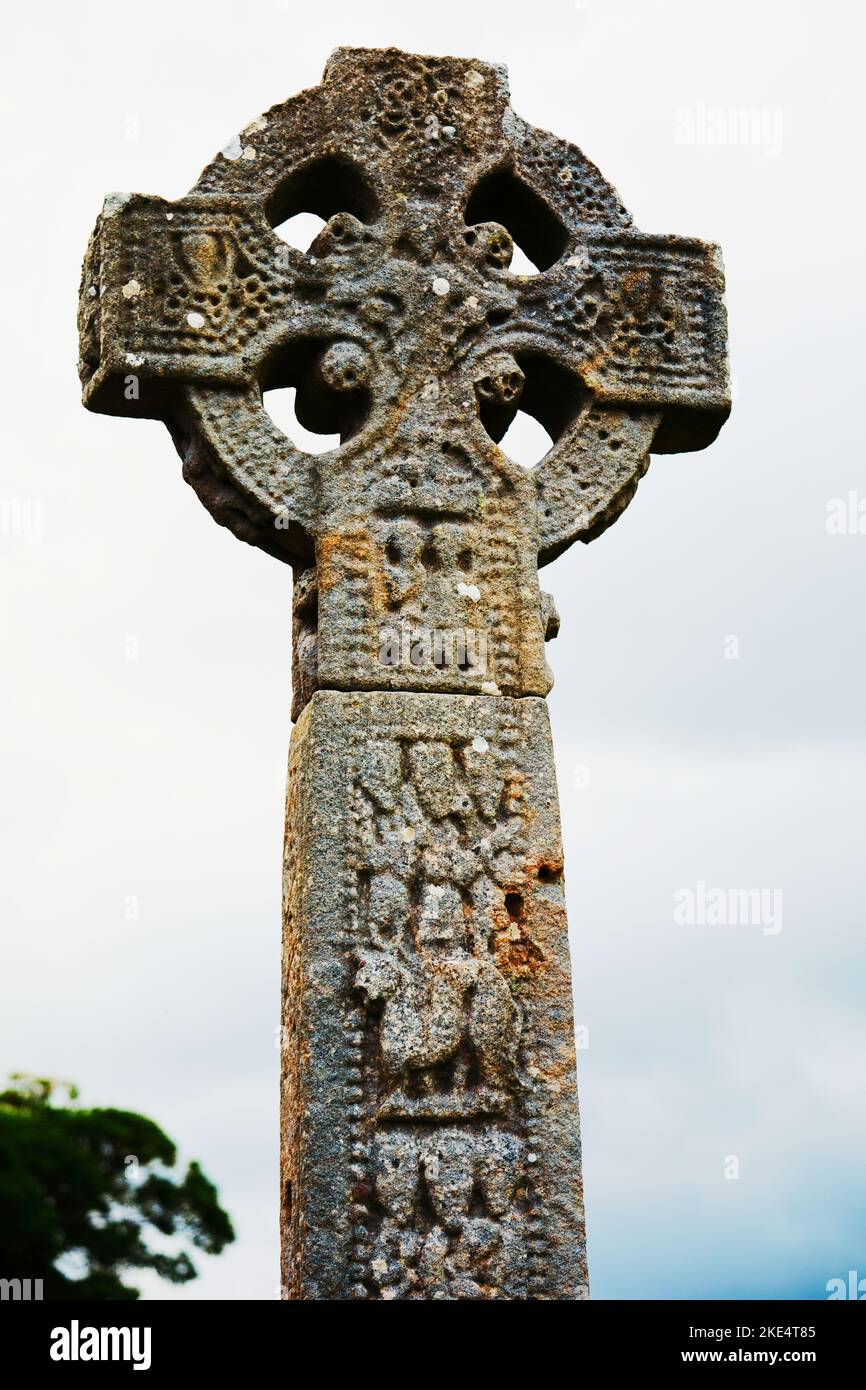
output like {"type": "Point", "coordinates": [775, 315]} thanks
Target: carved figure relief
{"type": "Point", "coordinates": [437, 846]}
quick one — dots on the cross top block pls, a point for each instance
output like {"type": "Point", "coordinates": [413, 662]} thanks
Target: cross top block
{"type": "Point", "coordinates": [404, 330]}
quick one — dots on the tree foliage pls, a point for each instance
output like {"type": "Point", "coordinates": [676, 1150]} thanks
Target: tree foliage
{"type": "Point", "coordinates": [81, 1190]}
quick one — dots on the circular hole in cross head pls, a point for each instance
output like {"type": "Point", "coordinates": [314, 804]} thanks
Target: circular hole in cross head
{"type": "Point", "coordinates": [300, 230]}
{"type": "Point", "coordinates": [539, 236]}
{"type": "Point", "coordinates": [526, 441]}
{"type": "Point", "coordinates": [528, 420]}
{"type": "Point", "coordinates": [305, 201]}
{"type": "Point", "coordinates": [316, 391]}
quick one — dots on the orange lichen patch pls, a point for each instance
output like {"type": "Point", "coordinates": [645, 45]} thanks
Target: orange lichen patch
{"type": "Point", "coordinates": [339, 550]}
{"type": "Point", "coordinates": [639, 288]}
{"type": "Point", "coordinates": [516, 955]}
{"type": "Point", "coordinates": [544, 869]}
{"type": "Point", "coordinates": [345, 555]}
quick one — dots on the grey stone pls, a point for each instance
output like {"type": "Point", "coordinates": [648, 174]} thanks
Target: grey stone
{"type": "Point", "coordinates": [429, 1093]}
{"type": "Point", "coordinates": [403, 330]}
{"type": "Point", "coordinates": [429, 1132]}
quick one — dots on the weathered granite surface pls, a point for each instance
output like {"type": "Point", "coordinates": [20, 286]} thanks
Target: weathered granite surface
{"type": "Point", "coordinates": [430, 1131]}
{"type": "Point", "coordinates": [404, 331]}
{"type": "Point", "coordinates": [429, 1121]}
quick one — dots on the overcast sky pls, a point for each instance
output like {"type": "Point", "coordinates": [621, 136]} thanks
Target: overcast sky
{"type": "Point", "coordinates": [147, 652]}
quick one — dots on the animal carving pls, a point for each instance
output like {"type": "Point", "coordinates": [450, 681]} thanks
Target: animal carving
{"type": "Point", "coordinates": [445, 1010]}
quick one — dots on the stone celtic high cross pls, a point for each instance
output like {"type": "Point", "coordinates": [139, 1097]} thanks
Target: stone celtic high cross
{"type": "Point", "coordinates": [429, 1112]}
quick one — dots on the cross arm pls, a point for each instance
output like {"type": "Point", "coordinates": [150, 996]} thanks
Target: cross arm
{"type": "Point", "coordinates": [639, 324]}
{"type": "Point", "coordinates": [174, 293]}
{"type": "Point", "coordinates": [642, 321]}
{"type": "Point", "coordinates": [181, 306]}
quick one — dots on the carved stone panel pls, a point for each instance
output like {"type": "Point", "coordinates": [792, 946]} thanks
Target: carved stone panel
{"type": "Point", "coordinates": [405, 331]}
{"type": "Point", "coordinates": [431, 1142]}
